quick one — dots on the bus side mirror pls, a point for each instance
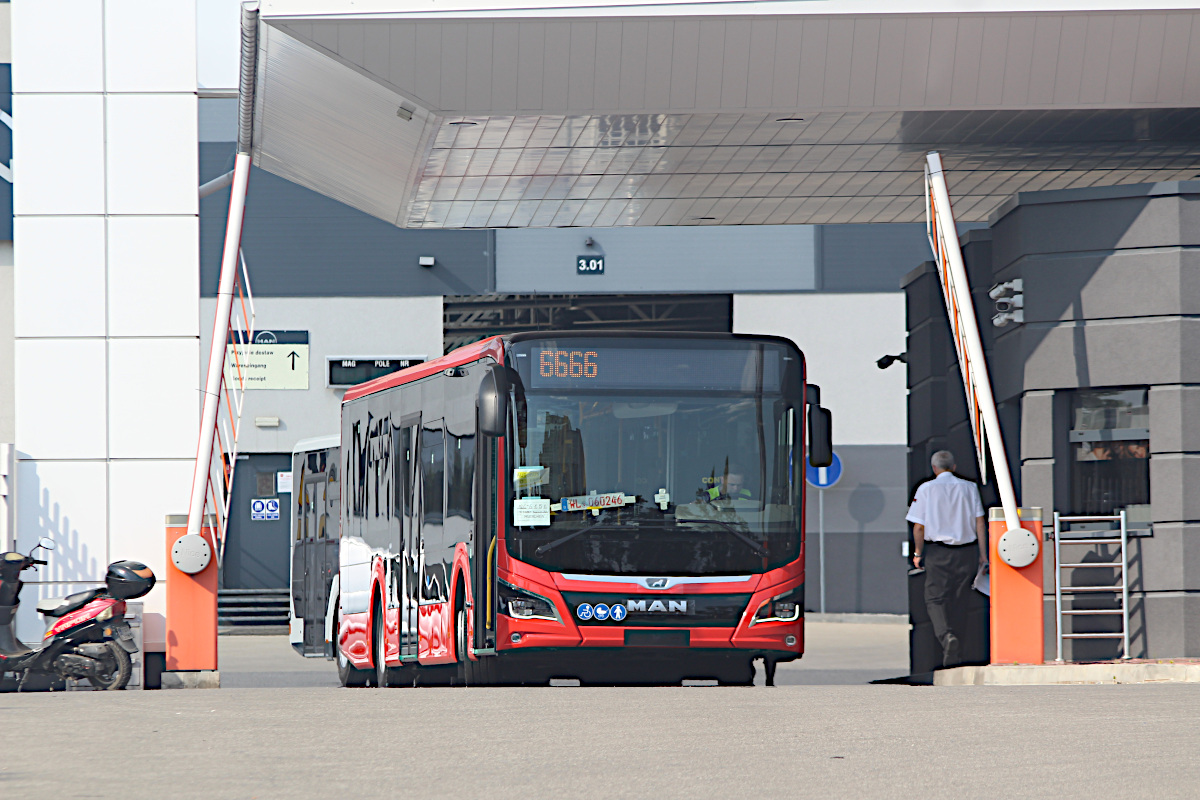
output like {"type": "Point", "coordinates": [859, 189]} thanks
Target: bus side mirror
{"type": "Point", "coordinates": [820, 436]}
{"type": "Point", "coordinates": [493, 402]}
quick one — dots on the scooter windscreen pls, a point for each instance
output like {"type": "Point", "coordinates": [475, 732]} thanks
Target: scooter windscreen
{"type": "Point", "coordinates": [128, 579]}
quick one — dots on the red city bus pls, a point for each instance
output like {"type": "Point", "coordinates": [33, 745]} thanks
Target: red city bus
{"type": "Point", "coordinates": [614, 508]}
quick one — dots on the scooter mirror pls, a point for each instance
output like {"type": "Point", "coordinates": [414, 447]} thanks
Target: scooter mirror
{"type": "Point", "coordinates": [46, 543]}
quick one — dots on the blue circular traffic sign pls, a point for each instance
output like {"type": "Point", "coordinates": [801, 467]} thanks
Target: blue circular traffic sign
{"type": "Point", "coordinates": [617, 612]}
{"type": "Point", "coordinates": [601, 611]}
{"type": "Point", "coordinates": [584, 611]}
{"type": "Point", "coordinates": [823, 477]}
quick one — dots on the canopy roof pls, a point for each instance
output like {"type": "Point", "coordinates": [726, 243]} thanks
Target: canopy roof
{"type": "Point", "coordinates": [484, 115]}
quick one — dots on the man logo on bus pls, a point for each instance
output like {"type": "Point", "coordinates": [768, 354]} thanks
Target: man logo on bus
{"type": "Point", "coordinates": [658, 606]}
{"type": "Point", "coordinates": [657, 583]}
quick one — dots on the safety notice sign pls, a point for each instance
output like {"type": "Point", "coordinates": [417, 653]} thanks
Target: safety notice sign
{"type": "Point", "coordinates": [264, 509]}
{"type": "Point", "coordinates": [271, 360]}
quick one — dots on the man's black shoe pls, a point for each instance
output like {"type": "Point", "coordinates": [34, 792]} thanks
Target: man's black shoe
{"type": "Point", "coordinates": [950, 654]}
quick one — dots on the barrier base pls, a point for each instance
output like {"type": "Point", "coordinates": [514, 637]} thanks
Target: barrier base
{"type": "Point", "coordinates": [192, 679]}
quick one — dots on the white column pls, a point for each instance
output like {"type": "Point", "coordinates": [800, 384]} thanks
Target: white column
{"type": "Point", "coordinates": [106, 283]}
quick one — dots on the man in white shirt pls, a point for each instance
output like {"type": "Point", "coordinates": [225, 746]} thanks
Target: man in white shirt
{"type": "Point", "coordinates": [951, 545]}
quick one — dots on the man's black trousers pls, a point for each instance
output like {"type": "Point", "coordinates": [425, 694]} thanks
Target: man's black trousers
{"type": "Point", "coordinates": [949, 572]}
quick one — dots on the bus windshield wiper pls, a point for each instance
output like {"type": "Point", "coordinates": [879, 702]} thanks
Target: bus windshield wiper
{"type": "Point", "coordinates": [548, 546]}
{"type": "Point", "coordinates": [758, 551]}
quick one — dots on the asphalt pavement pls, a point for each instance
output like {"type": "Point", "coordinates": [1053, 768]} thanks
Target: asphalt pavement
{"type": "Point", "coordinates": [291, 732]}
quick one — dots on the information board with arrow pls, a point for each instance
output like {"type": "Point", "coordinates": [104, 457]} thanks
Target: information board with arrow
{"type": "Point", "coordinates": [271, 360]}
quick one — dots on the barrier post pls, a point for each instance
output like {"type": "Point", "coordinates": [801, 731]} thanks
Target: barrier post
{"type": "Point", "coordinates": [1018, 626]}
{"type": "Point", "coordinates": [191, 610]}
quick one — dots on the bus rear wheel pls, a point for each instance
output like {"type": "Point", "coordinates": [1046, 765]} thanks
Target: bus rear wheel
{"type": "Point", "coordinates": [379, 647]}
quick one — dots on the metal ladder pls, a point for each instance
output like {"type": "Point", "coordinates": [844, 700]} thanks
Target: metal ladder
{"type": "Point", "coordinates": [1121, 538]}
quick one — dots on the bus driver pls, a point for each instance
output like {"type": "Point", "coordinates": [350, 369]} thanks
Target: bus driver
{"type": "Point", "coordinates": [727, 487]}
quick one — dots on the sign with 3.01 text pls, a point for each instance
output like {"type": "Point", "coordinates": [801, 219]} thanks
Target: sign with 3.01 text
{"type": "Point", "coordinates": [589, 265]}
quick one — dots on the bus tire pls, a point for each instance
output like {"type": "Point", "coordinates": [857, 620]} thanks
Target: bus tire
{"type": "Point", "coordinates": [378, 646]}
{"type": "Point", "coordinates": [349, 675]}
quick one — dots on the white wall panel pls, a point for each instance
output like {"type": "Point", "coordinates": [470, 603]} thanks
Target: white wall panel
{"type": "Point", "coordinates": [153, 161]}
{"type": "Point", "coordinates": [143, 493]}
{"type": "Point", "coordinates": [59, 288]}
{"type": "Point", "coordinates": [153, 276]}
{"type": "Point", "coordinates": [67, 501]}
{"type": "Point", "coordinates": [58, 154]}
{"type": "Point", "coordinates": [133, 29]}
{"type": "Point", "coordinates": [60, 402]}
{"type": "Point", "coordinates": [57, 46]}
{"type": "Point", "coordinates": [154, 398]}
{"type": "Point", "coordinates": [841, 336]}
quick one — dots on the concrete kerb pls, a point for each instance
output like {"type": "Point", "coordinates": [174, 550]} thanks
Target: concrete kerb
{"type": "Point", "coordinates": [1066, 674]}
{"type": "Point", "coordinates": [872, 619]}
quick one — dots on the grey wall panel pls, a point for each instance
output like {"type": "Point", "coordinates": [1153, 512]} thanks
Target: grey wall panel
{"type": "Point", "coordinates": [1111, 353]}
{"type": "Point", "coordinates": [870, 258]}
{"type": "Point", "coordinates": [1107, 285]}
{"type": "Point", "coordinates": [1174, 411]}
{"type": "Point", "coordinates": [864, 528]}
{"type": "Point", "coordinates": [1099, 219]}
{"type": "Point", "coordinates": [302, 244]}
{"type": "Point", "coordinates": [217, 118]}
{"type": "Point", "coordinates": [683, 259]}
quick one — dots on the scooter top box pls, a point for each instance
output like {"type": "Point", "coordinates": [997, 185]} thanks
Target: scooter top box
{"type": "Point", "coordinates": [128, 579]}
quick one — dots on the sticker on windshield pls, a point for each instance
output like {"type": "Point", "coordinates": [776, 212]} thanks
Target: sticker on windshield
{"type": "Point", "coordinates": [528, 477]}
{"type": "Point", "coordinates": [530, 512]}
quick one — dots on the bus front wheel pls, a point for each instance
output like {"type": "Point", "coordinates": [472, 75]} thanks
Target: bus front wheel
{"type": "Point", "coordinates": [349, 675]}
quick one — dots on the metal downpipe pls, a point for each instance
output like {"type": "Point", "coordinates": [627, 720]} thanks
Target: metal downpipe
{"type": "Point", "coordinates": [229, 268]}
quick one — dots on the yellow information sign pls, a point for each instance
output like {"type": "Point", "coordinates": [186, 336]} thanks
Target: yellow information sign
{"type": "Point", "coordinates": [267, 366]}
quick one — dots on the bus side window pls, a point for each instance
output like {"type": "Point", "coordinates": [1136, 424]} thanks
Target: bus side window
{"type": "Point", "coordinates": [461, 477]}
{"type": "Point", "coordinates": [433, 493]}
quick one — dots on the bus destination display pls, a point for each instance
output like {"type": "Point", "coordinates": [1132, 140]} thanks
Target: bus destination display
{"type": "Point", "coordinates": [568, 364]}
{"type": "Point", "coordinates": [575, 365]}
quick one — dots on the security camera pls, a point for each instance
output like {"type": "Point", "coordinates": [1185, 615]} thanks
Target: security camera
{"type": "Point", "coordinates": [887, 361]}
{"type": "Point", "coordinates": [1007, 305]}
{"type": "Point", "coordinates": [1007, 289]}
{"type": "Point", "coordinates": [1008, 298]}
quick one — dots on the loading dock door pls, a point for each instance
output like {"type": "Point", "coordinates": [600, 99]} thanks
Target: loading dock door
{"type": "Point", "coordinates": [257, 550]}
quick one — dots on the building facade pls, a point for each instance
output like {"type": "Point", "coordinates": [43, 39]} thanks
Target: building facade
{"type": "Point", "coordinates": [1097, 388]}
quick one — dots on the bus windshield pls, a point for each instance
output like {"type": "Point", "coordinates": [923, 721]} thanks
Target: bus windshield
{"type": "Point", "coordinates": [696, 483]}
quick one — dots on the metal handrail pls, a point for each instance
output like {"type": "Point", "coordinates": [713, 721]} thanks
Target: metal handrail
{"type": "Point", "coordinates": [1123, 588]}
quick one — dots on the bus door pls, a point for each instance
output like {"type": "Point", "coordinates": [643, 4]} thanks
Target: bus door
{"type": "Point", "coordinates": [300, 548]}
{"type": "Point", "coordinates": [484, 555]}
{"type": "Point", "coordinates": [432, 613]}
{"type": "Point", "coordinates": [405, 566]}
{"type": "Point", "coordinates": [329, 542]}
{"type": "Point", "coordinates": [316, 592]}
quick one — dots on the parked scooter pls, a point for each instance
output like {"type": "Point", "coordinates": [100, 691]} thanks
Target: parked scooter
{"type": "Point", "coordinates": [87, 634]}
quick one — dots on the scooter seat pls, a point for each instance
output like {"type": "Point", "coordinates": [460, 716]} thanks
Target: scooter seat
{"type": "Point", "coordinates": [59, 606]}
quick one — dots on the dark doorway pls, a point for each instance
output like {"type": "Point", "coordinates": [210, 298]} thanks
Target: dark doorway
{"type": "Point", "coordinates": [257, 551]}
{"type": "Point", "coordinates": [469, 319]}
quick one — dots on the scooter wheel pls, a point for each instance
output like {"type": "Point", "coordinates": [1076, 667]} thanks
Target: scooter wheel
{"type": "Point", "coordinates": [116, 667]}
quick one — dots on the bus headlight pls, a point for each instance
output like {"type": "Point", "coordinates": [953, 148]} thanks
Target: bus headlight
{"type": "Point", "coordinates": [784, 607]}
{"type": "Point", "coordinates": [522, 604]}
